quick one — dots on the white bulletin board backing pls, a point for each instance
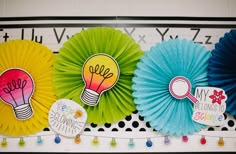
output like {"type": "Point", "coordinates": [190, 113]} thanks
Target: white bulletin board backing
{"type": "Point", "coordinates": [148, 22]}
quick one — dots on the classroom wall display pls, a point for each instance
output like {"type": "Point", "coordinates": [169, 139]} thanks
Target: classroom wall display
{"type": "Point", "coordinates": [133, 131]}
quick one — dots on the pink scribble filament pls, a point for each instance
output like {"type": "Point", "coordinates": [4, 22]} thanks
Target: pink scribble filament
{"type": "Point", "coordinates": [16, 87]}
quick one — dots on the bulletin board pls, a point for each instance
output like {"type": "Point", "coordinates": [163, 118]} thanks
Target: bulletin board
{"type": "Point", "coordinates": [53, 32]}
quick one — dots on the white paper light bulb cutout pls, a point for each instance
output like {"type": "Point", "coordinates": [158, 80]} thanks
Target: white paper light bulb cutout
{"type": "Point", "coordinates": [100, 73]}
{"type": "Point", "coordinates": [67, 118]}
{"type": "Point", "coordinates": [16, 89]}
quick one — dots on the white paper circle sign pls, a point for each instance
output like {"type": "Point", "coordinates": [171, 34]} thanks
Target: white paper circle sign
{"type": "Point", "coordinates": [67, 118]}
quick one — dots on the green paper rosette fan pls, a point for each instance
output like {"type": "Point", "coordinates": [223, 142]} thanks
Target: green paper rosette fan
{"type": "Point", "coordinates": [95, 68]}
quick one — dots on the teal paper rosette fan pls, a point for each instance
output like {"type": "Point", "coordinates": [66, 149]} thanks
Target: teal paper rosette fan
{"type": "Point", "coordinates": [222, 68]}
{"type": "Point", "coordinates": [90, 53]}
{"type": "Point", "coordinates": [164, 62]}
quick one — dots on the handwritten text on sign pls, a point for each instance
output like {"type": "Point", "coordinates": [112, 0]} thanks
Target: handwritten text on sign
{"type": "Point", "coordinates": [67, 117]}
{"type": "Point", "coordinates": [210, 107]}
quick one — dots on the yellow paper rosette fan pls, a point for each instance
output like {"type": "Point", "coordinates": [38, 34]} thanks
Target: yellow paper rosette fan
{"type": "Point", "coordinates": [26, 89]}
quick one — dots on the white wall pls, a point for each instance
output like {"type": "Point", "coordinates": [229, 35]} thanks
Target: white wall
{"type": "Point", "coordinates": [220, 8]}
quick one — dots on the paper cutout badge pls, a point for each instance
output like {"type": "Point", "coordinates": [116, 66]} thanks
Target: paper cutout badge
{"type": "Point", "coordinates": [100, 73]}
{"type": "Point", "coordinates": [180, 88]}
{"type": "Point", "coordinates": [16, 89]}
{"type": "Point", "coordinates": [211, 106]}
{"type": "Point", "coordinates": [67, 117]}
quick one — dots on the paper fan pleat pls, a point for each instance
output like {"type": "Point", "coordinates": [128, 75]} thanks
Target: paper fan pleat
{"type": "Point", "coordinates": [124, 92]}
{"type": "Point", "coordinates": [171, 119]}
{"type": "Point", "coordinates": [159, 124]}
{"type": "Point", "coordinates": [154, 72]}
{"type": "Point", "coordinates": [221, 69]}
{"type": "Point", "coordinates": [38, 61]}
{"type": "Point", "coordinates": [152, 111]}
{"type": "Point", "coordinates": [114, 104]}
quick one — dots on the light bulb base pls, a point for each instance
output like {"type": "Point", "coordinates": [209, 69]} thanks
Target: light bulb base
{"type": "Point", "coordinates": [90, 97]}
{"type": "Point", "coordinates": [23, 112]}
